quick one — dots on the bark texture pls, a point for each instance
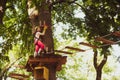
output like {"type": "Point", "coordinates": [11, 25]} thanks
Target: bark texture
{"type": "Point", "coordinates": [98, 67]}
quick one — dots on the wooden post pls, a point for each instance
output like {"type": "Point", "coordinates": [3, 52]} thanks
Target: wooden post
{"type": "Point", "coordinates": [41, 73]}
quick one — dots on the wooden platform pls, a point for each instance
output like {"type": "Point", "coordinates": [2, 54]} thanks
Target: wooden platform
{"type": "Point", "coordinates": [52, 62]}
{"type": "Point", "coordinates": [48, 59]}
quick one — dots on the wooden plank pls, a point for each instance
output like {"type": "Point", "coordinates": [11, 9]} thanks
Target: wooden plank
{"type": "Point", "coordinates": [47, 60]}
{"type": "Point", "coordinates": [116, 33]}
{"type": "Point", "coordinates": [60, 51]}
{"type": "Point", "coordinates": [18, 76]}
{"type": "Point", "coordinates": [104, 40]}
{"type": "Point", "coordinates": [87, 44]}
{"type": "Point", "coordinates": [19, 66]}
{"type": "Point", "coordinates": [77, 49]}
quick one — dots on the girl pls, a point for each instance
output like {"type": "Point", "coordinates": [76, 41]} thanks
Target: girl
{"type": "Point", "coordinates": [39, 46]}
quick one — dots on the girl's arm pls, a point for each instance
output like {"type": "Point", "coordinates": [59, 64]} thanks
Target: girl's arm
{"type": "Point", "coordinates": [44, 30]}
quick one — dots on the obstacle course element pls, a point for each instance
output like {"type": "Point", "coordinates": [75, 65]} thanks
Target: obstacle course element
{"type": "Point", "coordinates": [71, 48]}
{"type": "Point", "coordinates": [76, 49]}
{"type": "Point", "coordinates": [116, 33]}
{"type": "Point", "coordinates": [103, 39]}
{"type": "Point", "coordinates": [19, 66]}
{"type": "Point", "coordinates": [65, 52]}
{"type": "Point", "coordinates": [47, 62]}
{"type": "Point", "coordinates": [18, 76]}
{"type": "Point", "coordinates": [44, 67]}
{"type": "Point", "coordinates": [106, 41]}
{"type": "Point", "coordinates": [87, 44]}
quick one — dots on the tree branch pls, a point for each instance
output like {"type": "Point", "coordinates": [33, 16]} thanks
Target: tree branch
{"type": "Point", "coordinates": [2, 10]}
{"type": "Point", "coordinates": [103, 62]}
{"type": "Point", "coordinates": [95, 59]}
{"type": "Point", "coordinates": [86, 12]}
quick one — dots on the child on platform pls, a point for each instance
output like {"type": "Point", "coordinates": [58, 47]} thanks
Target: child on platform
{"type": "Point", "coordinates": [39, 46]}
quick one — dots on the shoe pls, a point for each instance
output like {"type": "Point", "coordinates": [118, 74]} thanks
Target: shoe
{"type": "Point", "coordinates": [35, 54]}
{"type": "Point", "coordinates": [44, 51]}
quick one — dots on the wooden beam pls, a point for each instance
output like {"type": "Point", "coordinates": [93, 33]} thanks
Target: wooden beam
{"type": "Point", "coordinates": [47, 59]}
{"type": "Point", "coordinates": [104, 40]}
{"type": "Point", "coordinates": [19, 66]}
{"type": "Point", "coordinates": [18, 76]}
{"type": "Point", "coordinates": [87, 44]}
{"type": "Point", "coordinates": [116, 33]}
{"type": "Point", "coordinates": [77, 49]}
{"type": "Point", "coordinates": [63, 52]}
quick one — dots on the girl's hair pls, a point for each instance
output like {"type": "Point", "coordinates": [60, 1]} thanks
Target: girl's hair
{"type": "Point", "coordinates": [35, 30]}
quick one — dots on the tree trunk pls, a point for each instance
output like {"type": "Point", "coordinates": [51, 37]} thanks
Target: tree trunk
{"type": "Point", "coordinates": [38, 15]}
{"type": "Point", "coordinates": [2, 10]}
{"type": "Point", "coordinates": [45, 15]}
{"type": "Point", "coordinates": [99, 74]}
{"type": "Point", "coordinates": [98, 67]}
{"type": "Point", "coordinates": [52, 71]}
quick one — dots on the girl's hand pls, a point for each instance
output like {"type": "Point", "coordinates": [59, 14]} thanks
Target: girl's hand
{"type": "Point", "coordinates": [45, 26]}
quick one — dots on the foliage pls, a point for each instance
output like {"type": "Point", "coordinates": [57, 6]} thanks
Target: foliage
{"type": "Point", "coordinates": [16, 29]}
{"type": "Point", "coordinates": [101, 17]}
{"type": "Point", "coordinates": [65, 13]}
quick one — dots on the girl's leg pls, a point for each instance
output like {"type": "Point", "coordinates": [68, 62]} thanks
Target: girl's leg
{"type": "Point", "coordinates": [40, 44]}
{"type": "Point", "coordinates": [39, 51]}
{"type": "Point", "coordinates": [42, 47]}
{"type": "Point", "coordinates": [35, 41]}
{"type": "Point", "coordinates": [36, 50]}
